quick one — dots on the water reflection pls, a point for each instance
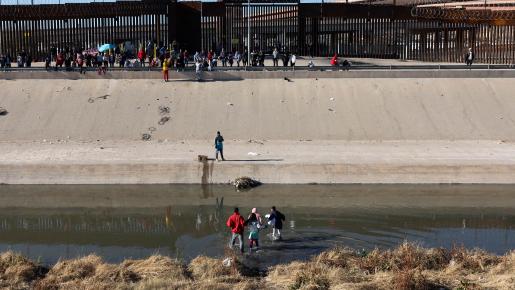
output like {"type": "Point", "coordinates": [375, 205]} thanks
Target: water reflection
{"type": "Point", "coordinates": [121, 222]}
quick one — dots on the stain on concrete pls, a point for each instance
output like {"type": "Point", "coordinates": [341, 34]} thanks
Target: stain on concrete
{"type": "Point", "coordinates": [207, 171]}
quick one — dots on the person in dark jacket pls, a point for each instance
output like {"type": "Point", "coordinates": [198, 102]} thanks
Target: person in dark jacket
{"type": "Point", "coordinates": [48, 60]}
{"type": "Point", "coordinates": [286, 58]}
{"type": "Point", "coordinates": [219, 145]}
{"type": "Point", "coordinates": [28, 60]}
{"type": "Point", "coordinates": [237, 223]}
{"type": "Point", "coordinates": [276, 218]}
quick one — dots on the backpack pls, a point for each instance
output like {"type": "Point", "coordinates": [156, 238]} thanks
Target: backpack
{"type": "Point", "coordinates": [280, 215]}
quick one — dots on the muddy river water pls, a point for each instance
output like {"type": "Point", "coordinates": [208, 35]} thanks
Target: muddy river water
{"type": "Point", "coordinates": [135, 221]}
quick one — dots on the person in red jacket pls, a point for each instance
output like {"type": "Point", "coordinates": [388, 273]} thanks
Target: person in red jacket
{"type": "Point", "coordinates": [236, 222]}
{"type": "Point", "coordinates": [141, 56]}
{"type": "Point", "coordinates": [334, 60]}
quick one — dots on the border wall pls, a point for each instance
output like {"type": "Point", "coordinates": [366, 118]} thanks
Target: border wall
{"type": "Point", "coordinates": [352, 30]}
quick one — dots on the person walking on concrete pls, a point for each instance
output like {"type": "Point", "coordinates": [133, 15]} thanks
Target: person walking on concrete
{"type": "Point", "coordinates": [469, 57]}
{"type": "Point", "coordinates": [8, 60]}
{"type": "Point", "coordinates": [111, 59]}
{"type": "Point", "coordinates": [166, 64]}
{"type": "Point", "coordinates": [59, 60]}
{"type": "Point", "coordinates": [237, 223]}
{"type": "Point", "coordinates": [105, 61]}
{"type": "Point", "coordinates": [209, 60]}
{"type": "Point", "coordinates": [334, 60]}
{"type": "Point", "coordinates": [19, 60]}
{"type": "Point", "coordinates": [48, 60]}
{"type": "Point", "coordinates": [276, 219]}
{"type": "Point", "coordinates": [2, 61]}
{"type": "Point", "coordinates": [186, 56]}
{"type": "Point", "coordinates": [261, 58]}
{"type": "Point", "coordinates": [141, 57]}
{"type": "Point", "coordinates": [28, 61]}
{"type": "Point", "coordinates": [230, 59]}
{"type": "Point", "coordinates": [245, 57]}
{"type": "Point", "coordinates": [223, 57]}
{"type": "Point", "coordinates": [80, 63]}
{"type": "Point", "coordinates": [237, 57]}
{"type": "Point", "coordinates": [219, 145]}
{"type": "Point", "coordinates": [275, 56]}
{"type": "Point", "coordinates": [293, 59]}
{"type": "Point", "coordinates": [198, 65]}
{"type": "Point", "coordinates": [285, 58]}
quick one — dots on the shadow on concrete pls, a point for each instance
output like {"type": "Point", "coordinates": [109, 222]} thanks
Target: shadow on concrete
{"type": "Point", "coordinates": [207, 80]}
{"type": "Point", "coordinates": [252, 160]}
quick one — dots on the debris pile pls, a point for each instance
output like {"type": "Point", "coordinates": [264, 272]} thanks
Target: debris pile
{"type": "Point", "coordinates": [245, 183]}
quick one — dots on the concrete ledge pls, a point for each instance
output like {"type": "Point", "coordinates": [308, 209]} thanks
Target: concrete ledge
{"type": "Point", "coordinates": [214, 172]}
{"type": "Point", "coordinates": [240, 75]}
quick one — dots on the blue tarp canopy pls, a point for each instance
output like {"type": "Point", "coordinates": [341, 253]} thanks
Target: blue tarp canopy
{"type": "Point", "coordinates": [105, 47]}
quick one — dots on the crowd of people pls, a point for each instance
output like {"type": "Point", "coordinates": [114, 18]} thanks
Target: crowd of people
{"type": "Point", "coordinates": [155, 55]}
{"type": "Point", "coordinates": [23, 59]}
{"type": "Point", "coordinates": [212, 59]}
{"type": "Point", "coordinates": [72, 58]}
{"type": "Point", "coordinates": [151, 55]}
{"type": "Point", "coordinates": [254, 223]}
{"type": "Point", "coordinates": [166, 57]}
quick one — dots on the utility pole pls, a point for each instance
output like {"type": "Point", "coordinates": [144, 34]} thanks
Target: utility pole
{"type": "Point", "coordinates": [248, 33]}
{"type": "Point", "coordinates": [201, 32]}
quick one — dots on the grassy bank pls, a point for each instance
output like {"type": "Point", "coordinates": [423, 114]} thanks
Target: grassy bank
{"type": "Point", "coordinates": [406, 267]}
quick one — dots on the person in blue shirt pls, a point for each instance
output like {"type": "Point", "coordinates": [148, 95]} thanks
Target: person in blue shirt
{"type": "Point", "coordinates": [219, 145]}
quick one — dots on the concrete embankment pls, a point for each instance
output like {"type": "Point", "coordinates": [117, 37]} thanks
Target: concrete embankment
{"type": "Point", "coordinates": [413, 130]}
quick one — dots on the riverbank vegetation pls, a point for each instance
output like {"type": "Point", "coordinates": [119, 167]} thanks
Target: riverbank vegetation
{"type": "Point", "coordinates": [406, 267]}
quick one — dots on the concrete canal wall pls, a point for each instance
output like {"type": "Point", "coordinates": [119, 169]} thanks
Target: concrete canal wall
{"type": "Point", "coordinates": [50, 120]}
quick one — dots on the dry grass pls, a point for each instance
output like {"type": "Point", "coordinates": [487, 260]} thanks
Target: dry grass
{"type": "Point", "coordinates": [16, 271]}
{"type": "Point", "coordinates": [91, 272]}
{"type": "Point", "coordinates": [203, 267]}
{"type": "Point", "coordinates": [475, 260]}
{"type": "Point", "coordinates": [408, 266]}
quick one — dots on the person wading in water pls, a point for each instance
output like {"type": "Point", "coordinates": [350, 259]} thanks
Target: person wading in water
{"type": "Point", "coordinates": [237, 223]}
{"type": "Point", "coordinates": [219, 145]}
{"type": "Point", "coordinates": [254, 227]}
{"type": "Point", "coordinates": [276, 219]}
